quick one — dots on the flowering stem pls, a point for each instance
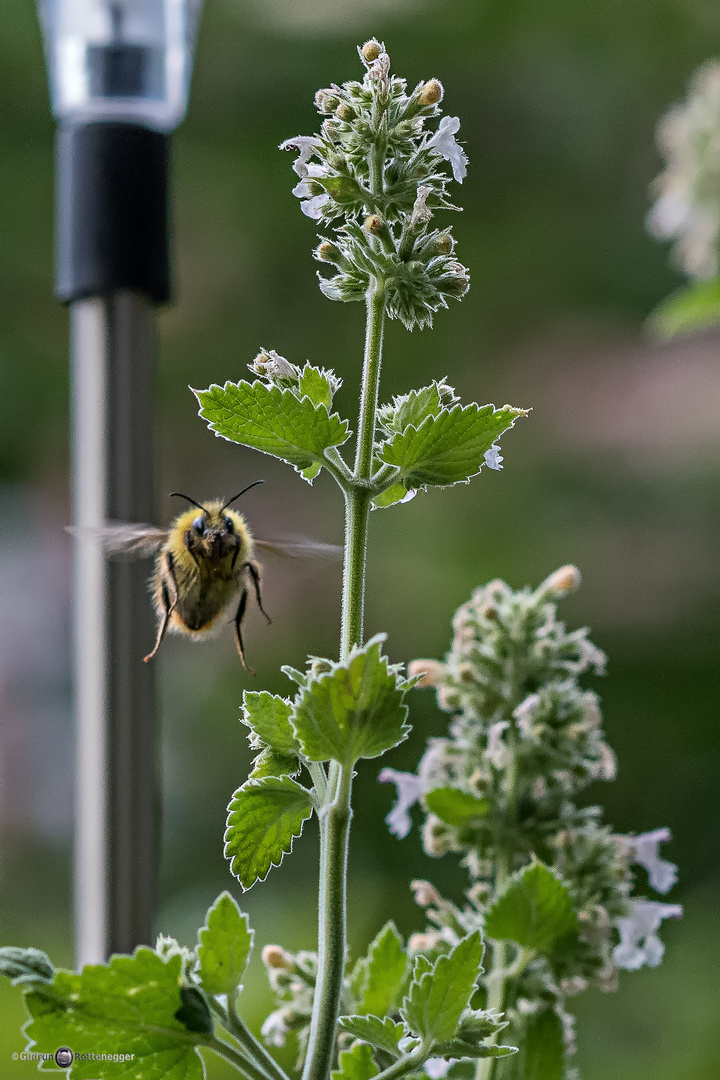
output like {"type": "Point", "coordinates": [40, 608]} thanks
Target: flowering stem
{"type": "Point", "coordinates": [335, 814]}
{"type": "Point", "coordinates": [358, 492]}
{"type": "Point", "coordinates": [500, 975]}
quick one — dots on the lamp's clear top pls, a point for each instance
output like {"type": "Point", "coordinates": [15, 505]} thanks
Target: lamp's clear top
{"type": "Point", "coordinates": [120, 59]}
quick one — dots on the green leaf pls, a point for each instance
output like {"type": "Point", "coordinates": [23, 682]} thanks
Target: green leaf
{"type": "Point", "coordinates": [133, 1005]}
{"type": "Point", "coordinates": [273, 763]}
{"type": "Point", "coordinates": [311, 472]}
{"type": "Point", "coordinates": [380, 975]}
{"type": "Point", "coordinates": [355, 711]}
{"type": "Point", "coordinates": [356, 1063]}
{"type": "Point", "coordinates": [534, 910]}
{"type": "Point", "coordinates": [390, 496]}
{"type": "Point", "coordinates": [273, 421]}
{"type": "Point", "coordinates": [224, 946]}
{"type": "Point", "coordinates": [264, 818]}
{"type": "Point", "coordinates": [692, 308]}
{"type": "Point", "coordinates": [268, 717]}
{"type": "Point", "coordinates": [456, 807]}
{"type": "Point", "coordinates": [25, 966]}
{"type": "Point", "coordinates": [316, 384]}
{"type": "Point", "coordinates": [475, 1026]}
{"type": "Point", "coordinates": [544, 1047]}
{"type": "Point", "coordinates": [435, 1002]}
{"type": "Point", "coordinates": [460, 1048]}
{"type": "Point", "coordinates": [449, 448]}
{"type": "Point", "coordinates": [385, 1034]}
{"type": "Point", "coordinates": [411, 408]}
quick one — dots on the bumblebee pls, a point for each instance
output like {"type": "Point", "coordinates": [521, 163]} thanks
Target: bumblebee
{"type": "Point", "coordinates": [204, 564]}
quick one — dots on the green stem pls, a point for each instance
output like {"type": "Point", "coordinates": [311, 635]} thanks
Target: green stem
{"type": "Point", "coordinates": [403, 1065]}
{"type": "Point", "coordinates": [225, 1050]}
{"type": "Point", "coordinates": [500, 976]}
{"type": "Point", "coordinates": [251, 1045]}
{"type": "Point", "coordinates": [336, 813]}
{"type": "Point", "coordinates": [358, 494]}
{"type": "Point", "coordinates": [334, 834]}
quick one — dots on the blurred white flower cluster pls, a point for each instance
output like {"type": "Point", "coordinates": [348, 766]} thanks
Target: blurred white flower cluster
{"type": "Point", "coordinates": [503, 788]}
{"type": "Point", "coordinates": [687, 207]}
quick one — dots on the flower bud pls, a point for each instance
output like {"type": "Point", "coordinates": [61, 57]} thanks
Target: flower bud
{"type": "Point", "coordinates": [273, 956]}
{"type": "Point", "coordinates": [448, 699]}
{"type": "Point", "coordinates": [371, 50]}
{"type": "Point", "coordinates": [563, 581]}
{"type": "Point", "coordinates": [442, 244]}
{"type": "Point", "coordinates": [426, 895]}
{"type": "Point", "coordinates": [446, 393]}
{"type": "Point", "coordinates": [431, 93]}
{"type": "Point", "coordinates": [479, 893]}
{"type": "Point", "coordinates": [328, 252]}
{"type": "Point", "coordinates": [456, 286]}
{"type": "Point", "coordinates": [374, 225]}
{"type": "Point", "coordinates": [435, 836]}
{"type": "Point", "coordinates": [326, 102]}
{"type": "Point", "coordinates": [430, 672]}
{"type": "Point", "coordinates": [345, 112]}
{"type": "Point", "coordinates": [422, 943]}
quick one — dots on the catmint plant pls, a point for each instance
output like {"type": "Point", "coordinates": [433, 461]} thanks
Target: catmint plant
{"type": "Point", "coordinates": [548, 908]}
{"type": "Point", "coordinates": [686, 210]}
{"type": "Point", "coordinates": [549, 884]}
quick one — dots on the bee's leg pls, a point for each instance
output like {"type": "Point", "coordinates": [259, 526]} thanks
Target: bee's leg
{"type": "Point", "coordinates": [169, 598]}
{"type": "Point", "coordinates": [239, 616]}
{"type": "Point", "coordinates": [162, 628]}
{"type": "Point", "coordinates": [254, 570]}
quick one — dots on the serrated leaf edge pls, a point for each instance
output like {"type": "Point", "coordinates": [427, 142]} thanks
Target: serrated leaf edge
{"type": "Point", "coordinates": [293, 836]}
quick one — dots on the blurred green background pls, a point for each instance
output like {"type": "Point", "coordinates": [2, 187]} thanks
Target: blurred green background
{"type": "Point", "coordinates": [617, 469]}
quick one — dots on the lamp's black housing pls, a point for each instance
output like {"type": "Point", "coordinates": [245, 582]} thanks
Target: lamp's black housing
{"type": "Point", "coordinates": [112, 211]}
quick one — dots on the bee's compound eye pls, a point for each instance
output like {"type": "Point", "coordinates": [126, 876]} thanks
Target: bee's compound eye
{"type": "Point", "coordinates": [229, 524]}
{"type": "Point", "coordinates": [198, 526]}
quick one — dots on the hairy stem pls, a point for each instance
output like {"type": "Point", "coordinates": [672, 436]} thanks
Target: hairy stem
{"type": "Point", "coordinates": [499, 976]}
{"type": "Point", "coordinates": [358, 494]}
{"type": "Point", "coordinates": [334, 834]}
{"type": "Point", "coordinates": [252, 1046]}
{"type": "Point", "coordinates": [336, 813]}
{"type": "Point", "coordinates": [247, 1068]}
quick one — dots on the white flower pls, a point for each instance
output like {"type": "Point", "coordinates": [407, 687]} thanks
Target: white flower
{"type": "Point", "coordinates": [639, 943]}
{"type": "Point", "coordinates": [312, 208]}
{"type": "Point", "coordinates": [493, 458]}
{"type": "Point", "coordinates": [437, 1068]}
{"type": "Point", "coordinates": [443, 142]}
{"type": "Point", "coordinates": [662, 874]}
{"type": "Point", "coordinates": [311, 205]}
{"type": "Point", "coordinates": [271, 365]}
{"type": "Point", "coordinates": [306, 145]}
{"type": "Point", "coordinates": [525, 713]}
{"type": "Point", "coordinates": [409, 789]}
{"type": "Point", "coordinates": [497, 752]}
{"type": "Point", "coordinates": [275, 1028]}
{"type": "Point", "coordinates": [420, 211]}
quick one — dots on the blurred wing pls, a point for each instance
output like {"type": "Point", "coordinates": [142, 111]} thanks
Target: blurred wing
{"type": "Point", "coordinates": [300, 547]}
{"type": "Point", "coordinates": [124, 538]}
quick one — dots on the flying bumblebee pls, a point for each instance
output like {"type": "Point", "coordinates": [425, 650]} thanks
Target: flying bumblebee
{"type": "Point", "coordinates": [203, 563]}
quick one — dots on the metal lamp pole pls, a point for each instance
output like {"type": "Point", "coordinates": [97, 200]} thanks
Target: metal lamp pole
{"type": "Point", "coordinates": [119, 75]}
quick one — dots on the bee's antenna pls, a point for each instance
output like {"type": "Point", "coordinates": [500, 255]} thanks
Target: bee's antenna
{"type": "Point", "coordinates": [179, 495]}
{"type": "Point", "coordinates": [242, 493]}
